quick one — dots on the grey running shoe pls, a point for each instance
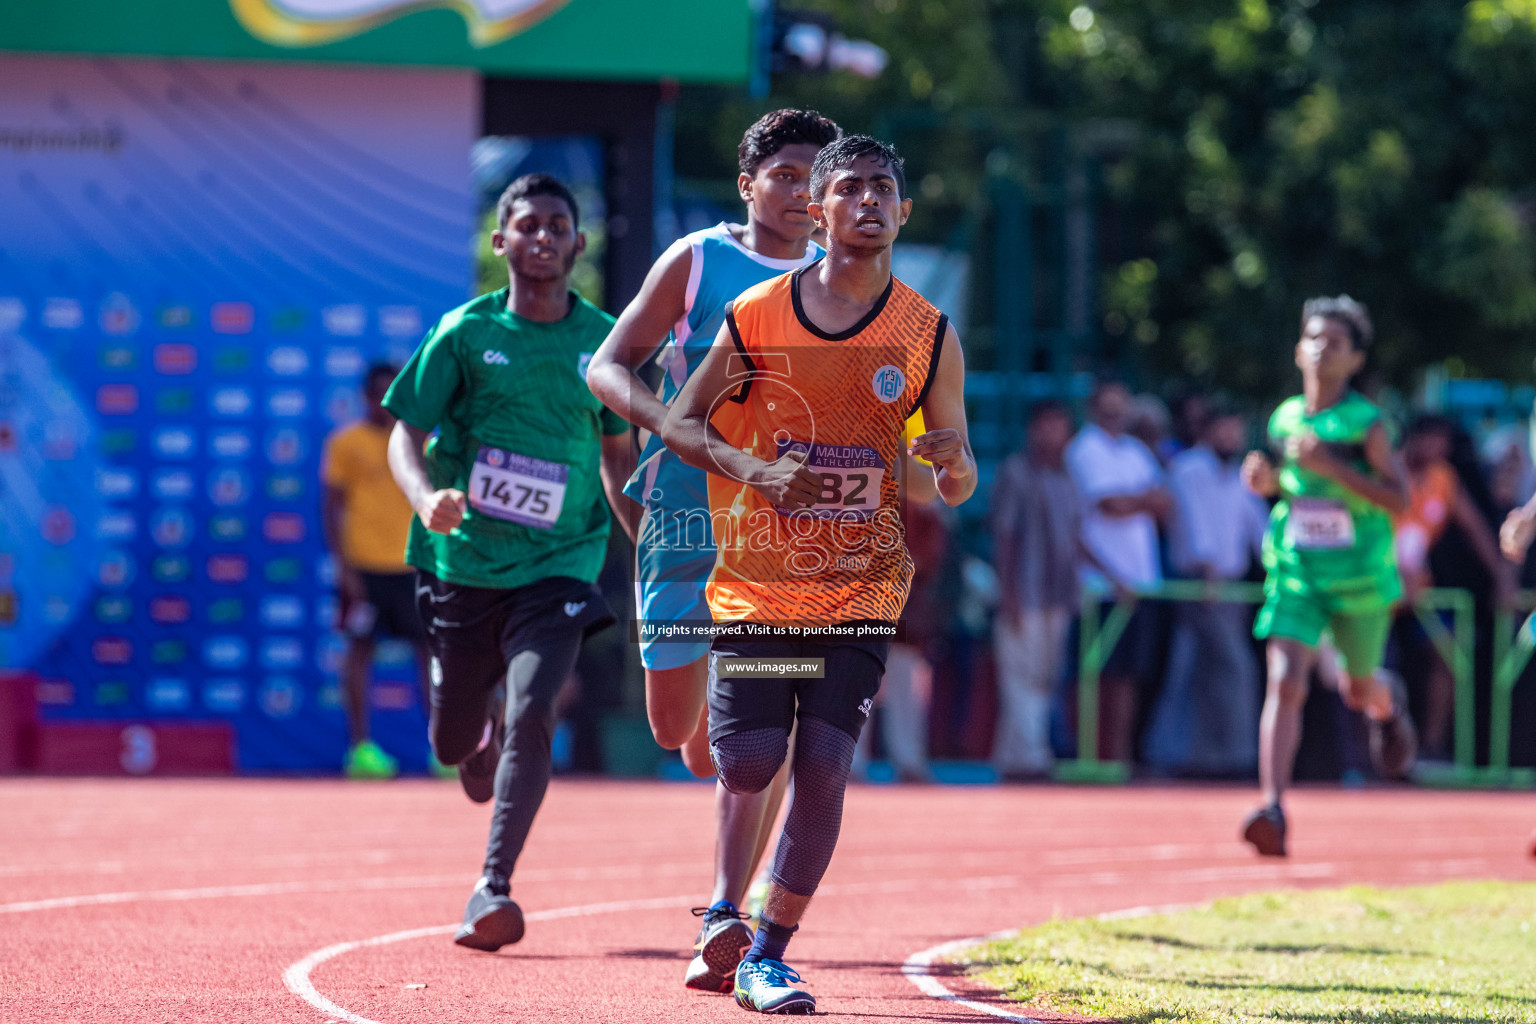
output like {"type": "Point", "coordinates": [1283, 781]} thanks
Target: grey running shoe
{"type": "Point", "coordinates": [491, 919]}
{"type": "Point", "coordinates": [1264, 830]}
{"type": "Point", "coordinates": [1394, 742]}
{"type": "Point", "coordinates": [724, 939]}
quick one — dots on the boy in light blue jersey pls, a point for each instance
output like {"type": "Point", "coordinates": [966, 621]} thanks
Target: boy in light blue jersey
{"type": "Point", "coordinates": [679, 311]}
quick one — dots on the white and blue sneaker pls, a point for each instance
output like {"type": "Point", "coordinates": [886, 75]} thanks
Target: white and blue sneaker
{"type": "Point", "coordinates": [767, 986]}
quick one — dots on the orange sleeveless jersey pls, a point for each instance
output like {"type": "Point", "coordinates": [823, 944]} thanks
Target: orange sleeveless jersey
{"type": "Point", "coordinates": [843, 399]}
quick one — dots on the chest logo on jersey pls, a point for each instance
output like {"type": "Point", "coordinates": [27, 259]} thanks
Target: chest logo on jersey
{"type": "Point", "coordinates": [888, 383]}
{"type": "Point", "coordinates": [495, 358]}
{"type": "Point", "coordinates": [582, 362]}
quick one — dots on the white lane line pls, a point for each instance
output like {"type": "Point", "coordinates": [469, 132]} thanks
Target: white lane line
{"type": "Point", "coordinates": [1098, 878]}
{"type": "Point", "coordinates": [917, 971]}
{"type": "Point", "coordinates": [221, 891]}
{"type": "Point", "coordinates": [296, 977]}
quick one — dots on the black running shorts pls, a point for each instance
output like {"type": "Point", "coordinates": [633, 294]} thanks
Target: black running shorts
{"type": "Point", "coordinates": [474, 632]}
{"type": "Point", "coordinates": [843, 697]}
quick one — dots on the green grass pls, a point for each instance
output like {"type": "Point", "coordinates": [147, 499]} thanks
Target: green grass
{"type": "Point", "coordinates": [1445, 954]}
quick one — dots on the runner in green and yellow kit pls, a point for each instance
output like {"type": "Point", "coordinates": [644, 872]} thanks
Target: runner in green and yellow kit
{"type": "Point", "coordinates": [510, 529]}
{"type": "Point", "coordinates": [1329, 555]}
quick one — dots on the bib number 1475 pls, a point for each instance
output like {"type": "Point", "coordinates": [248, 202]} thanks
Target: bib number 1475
{"type": "Point", "coordinates": [517, 488]}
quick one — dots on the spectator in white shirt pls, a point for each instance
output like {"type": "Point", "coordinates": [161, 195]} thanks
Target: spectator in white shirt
{"type": "Point", "coordinates": [1121, 486]}
{"type": "Point", "coordinates": [1206, 717]}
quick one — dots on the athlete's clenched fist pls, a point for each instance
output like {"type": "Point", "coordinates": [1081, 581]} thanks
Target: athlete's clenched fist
{"type": "Point", "coordinates": [442, 510]}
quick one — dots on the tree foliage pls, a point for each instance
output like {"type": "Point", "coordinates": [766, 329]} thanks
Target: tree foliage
{"type": "Point", "coordinates": [1269, 151]}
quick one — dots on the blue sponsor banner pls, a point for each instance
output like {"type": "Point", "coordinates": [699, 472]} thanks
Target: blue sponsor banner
{"type": "Point", "coordinates": [192, 281]}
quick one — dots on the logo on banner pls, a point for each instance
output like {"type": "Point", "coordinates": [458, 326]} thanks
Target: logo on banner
{"type": "Point", "coordinates": [120, 441]}
{"type": "Point", "coordinates": [58, 525]}
{"type": "Point", "coordinates": [174, 442]}
{"type": "Point", "coordinates": [280, 696]}
{"type": "Point", "coordinates": [170, 609]}
{"type": "Point", "coordinates": [171, 528]}
{"type": "Point", "coordinates": [229, 487]}
{"type": "Point", "coordinates": [168, 652]}
{"type": "Point", "coordinates": [285, 447]}
{"type": "Point", "coordinates": [226, 528]}
{"type": "Point", "coordinates": [285, 487]}
{"type": "Point", "coordinates": [117, 399]}
{"type": "Point", "coordinates": [117, 524]}
{"type": "Point", "coordinates": [175, 359]}
{"type": "Point", "coordinates": [295, 23]}
{"type": "Point", "coordinates": [226, 610]}
{"type": "Point", "coordinates": [225, 652]}
{"type": "Point", "coordinates": [117, 357]}
{"type": "Point", "coordinates": [287, 402]}
{"type": "Point", "coordinates": [343, 362]}
{"type": "Point", "coordinates": [231, 444]}
{"type": "Point", "coordinates": [111, 650]}
{"type": "Point", "coordinates": [63, 314]}
{"type": "Point", "coordinates": [174, 402]}
{"type": "Point", "coordinates": [168, 695]}
{"type": "Point", "coordinates": [400, 322]}
{"type": "Point", "coordinates": [283, 527]}
{"type": "Point", "coordinates": [282, 611]}
{"type": "Point", "coordinates": [171, 568]}
{"type": "Point", "coordinates": [119, 317]}
{"type": "Point", "coordinates": [288, 319]}
{"type": "Point", "coordinates": [231, 401]}
{"type": "Point", "coordinates": [223, 696]}
{"type": "Point", "coordinates": [13, 313]}
{"type": "Point", "coordinates": [115, 570]}
{"type": "Point", "coordinates": [288, 361]}
{"type": "Point", "coordinates": [228, 568]}
{"type": "Point", "coordinates": [173, 485]}
{"type": "Point", "coordinates": [113, 609]}
{"type": "Point", "coordinates": [232, 318]}
{"type": "Point", "coordinates": [347, 321]}
{"type": "Point", "coordinates": [232, 359]}
{"type": "Point", "coordinates": [175, 318]}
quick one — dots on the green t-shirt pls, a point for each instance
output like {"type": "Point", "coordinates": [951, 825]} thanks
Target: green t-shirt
{"type": "Point", "coordinates": [1322, 536]}
{"type": "Point", "coordinates": [520, 434]}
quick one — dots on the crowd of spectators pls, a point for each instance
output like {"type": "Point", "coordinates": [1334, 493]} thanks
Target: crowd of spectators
{"type": "Point", "coordinates": [1139, 493]}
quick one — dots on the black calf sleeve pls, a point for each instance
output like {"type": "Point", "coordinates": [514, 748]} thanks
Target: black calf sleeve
{"type": "Point", "coordinates": [823, 758]}
{"type": "Point", "coordinates": [747, 761]}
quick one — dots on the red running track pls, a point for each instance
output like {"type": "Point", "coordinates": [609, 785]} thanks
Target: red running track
{"type": "Point", "coordinates": [157, 901]}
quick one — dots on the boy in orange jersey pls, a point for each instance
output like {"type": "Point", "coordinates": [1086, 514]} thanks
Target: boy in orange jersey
{"type": "Point", "coordinates": [797, 413]}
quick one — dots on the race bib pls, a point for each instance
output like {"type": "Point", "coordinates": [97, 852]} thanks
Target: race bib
{"type": "Point", "coordinates": [1315, 524]}
{"type": "Point", "coordinates": [851, 476]}
{"type": "Point", "coordinates": [517, 488]}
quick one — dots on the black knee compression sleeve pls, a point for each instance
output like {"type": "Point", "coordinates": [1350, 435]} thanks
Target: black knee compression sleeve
{"type": "Point", "coordinates": [823, 757]}
{"type": "Point", "coordinates": [747, 761]}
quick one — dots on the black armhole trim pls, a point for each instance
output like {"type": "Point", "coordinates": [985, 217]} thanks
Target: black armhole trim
{"type": "Point", "coordinates": [740, 396]}
{"type": "Point", "coordinates": [865, 321]}
{"type": "Point", "coordinates": [933, 363]}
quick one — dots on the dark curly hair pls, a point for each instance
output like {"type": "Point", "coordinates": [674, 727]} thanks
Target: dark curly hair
{"type": "Point", "coordinates": [779, 128]}
{"type": "Point", "coordinates": [845, 151]}
{"type": "Point", "coordinates": [535, 185]}
{"type": "Point", "coordinates": [1352, 315]}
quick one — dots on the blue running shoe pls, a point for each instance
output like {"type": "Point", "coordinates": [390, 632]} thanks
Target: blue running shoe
{"type": "Point", "coordinates": [724, 939]}
{"type": "Point", "coordinates": [767, 986]}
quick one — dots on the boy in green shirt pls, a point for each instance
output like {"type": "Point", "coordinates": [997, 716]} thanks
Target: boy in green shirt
{"type": "Point", "coordinates": [511, 527]}
{"type": "Point", "coordinates": [1329, 555]}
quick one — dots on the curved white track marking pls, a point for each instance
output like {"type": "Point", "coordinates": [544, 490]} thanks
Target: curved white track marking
{"type": "Point", "coordinates": [916, 971]}
{"type": "Point", "coordinates": [221, 891]}
{"type": "Point", "coordinates": [296, 977]}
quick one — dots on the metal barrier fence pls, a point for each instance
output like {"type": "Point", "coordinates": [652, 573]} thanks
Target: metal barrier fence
{"type": "Point", "coordinates": [1454, 644]}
